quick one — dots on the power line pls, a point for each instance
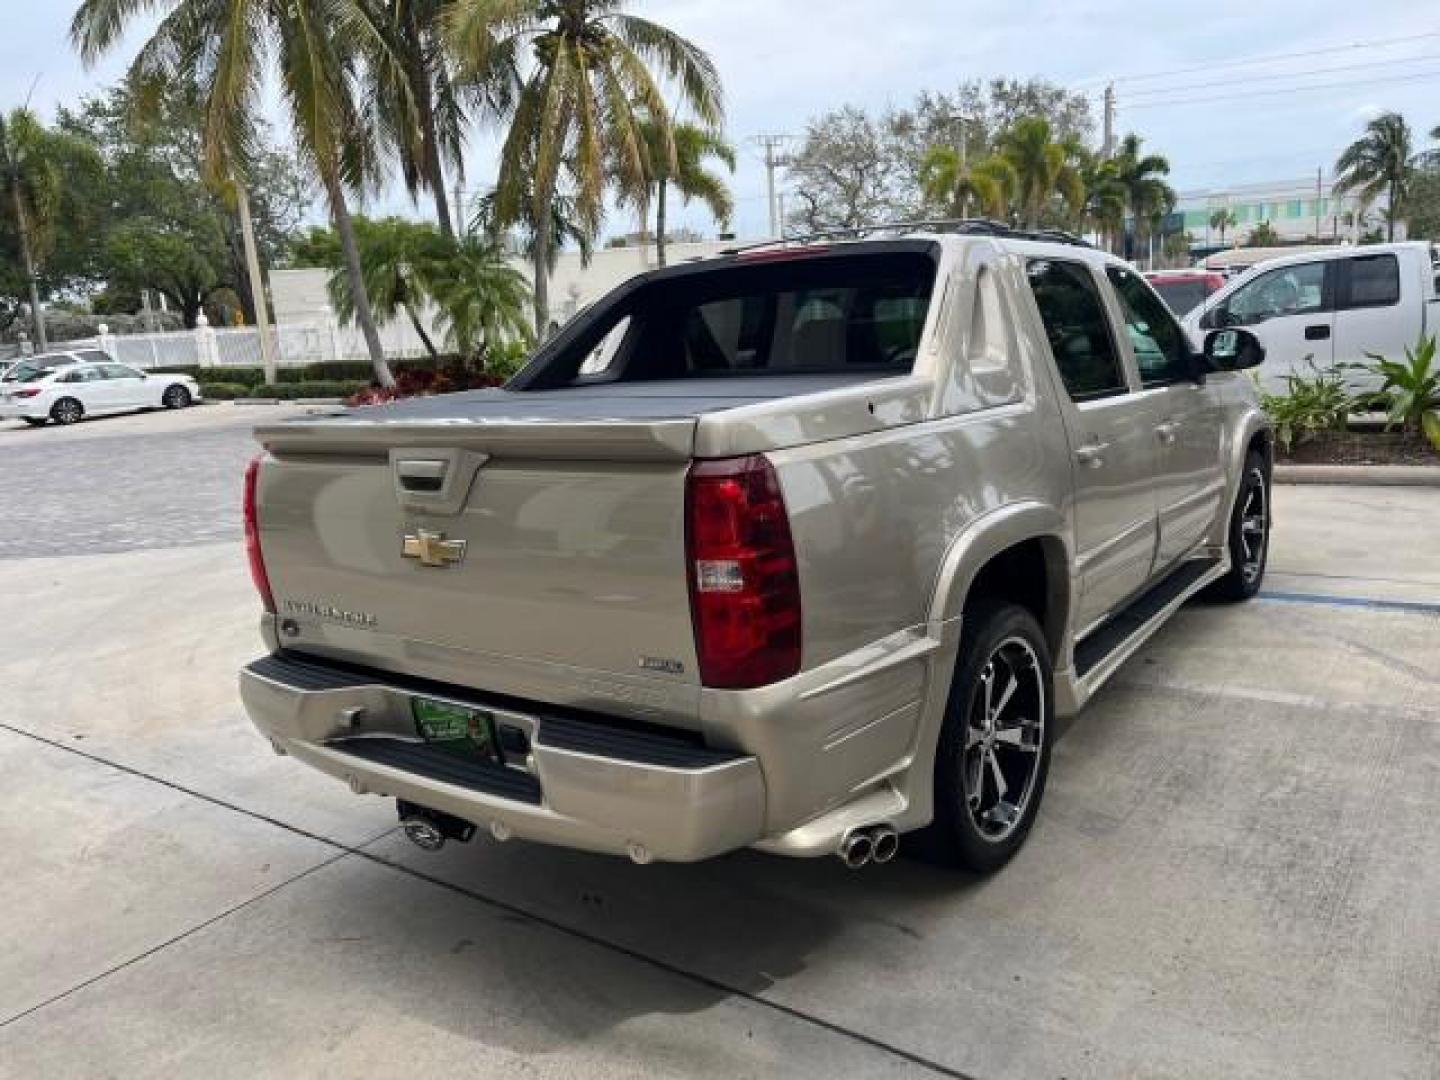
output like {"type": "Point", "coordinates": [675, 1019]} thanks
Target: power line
{"type": "Point", "coordinates": [1419, 76]}
{"type": "Point", "coordinates": [1377, 44]}
{"type": "Point", "coordinates": [1367, 66]}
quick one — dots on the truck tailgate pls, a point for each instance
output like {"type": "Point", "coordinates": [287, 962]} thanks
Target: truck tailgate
{"type": "Point", "coordinates": [541, 559]}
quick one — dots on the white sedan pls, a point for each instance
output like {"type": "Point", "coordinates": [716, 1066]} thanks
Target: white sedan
{"type": "Point", "coordinates": [67, 393]}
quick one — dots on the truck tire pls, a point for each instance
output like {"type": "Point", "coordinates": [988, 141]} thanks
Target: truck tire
{"type": "Point", "coordinates": [1249, 534]}
{"type": "Point", "coordinates": [994, 750]}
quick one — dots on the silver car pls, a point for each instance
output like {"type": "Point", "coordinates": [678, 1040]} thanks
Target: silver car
{"type": "Point", "coordinates": [801, 548]}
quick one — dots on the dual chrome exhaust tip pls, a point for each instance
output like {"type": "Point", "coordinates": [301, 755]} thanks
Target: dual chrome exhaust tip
{"type": "Point", "coordinates": [877, 844]}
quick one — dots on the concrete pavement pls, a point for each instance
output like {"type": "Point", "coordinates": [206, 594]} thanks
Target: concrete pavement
{"type": "Point", "coordinates": [1234, 872]}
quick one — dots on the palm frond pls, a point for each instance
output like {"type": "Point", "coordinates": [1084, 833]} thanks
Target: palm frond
{"type": "Point", "coordinates": [679, 59]}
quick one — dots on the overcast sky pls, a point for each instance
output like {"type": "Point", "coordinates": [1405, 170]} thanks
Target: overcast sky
{"type": "Point", "coordinates": [784, 61]}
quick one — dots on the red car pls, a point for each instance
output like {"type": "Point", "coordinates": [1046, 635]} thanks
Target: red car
{"type": "Point", "coordinates": [1185, 290]}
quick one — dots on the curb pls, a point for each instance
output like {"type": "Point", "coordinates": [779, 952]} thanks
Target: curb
{"type": "Point", "coordinates": [1367, 475]}
{"type": "Point", "coordinates": [286, 401]}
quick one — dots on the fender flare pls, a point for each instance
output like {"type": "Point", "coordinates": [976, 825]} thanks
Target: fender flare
{"type": "Point", "coordinates": [988, 536]}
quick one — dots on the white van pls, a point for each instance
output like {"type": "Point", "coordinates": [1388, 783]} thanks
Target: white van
{"type": "Point", "coordinates": [1329, 307]}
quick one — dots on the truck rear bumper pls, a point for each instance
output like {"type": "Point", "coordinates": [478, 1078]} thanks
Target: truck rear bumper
{"type": "Point", "coordinates": [567, 779]}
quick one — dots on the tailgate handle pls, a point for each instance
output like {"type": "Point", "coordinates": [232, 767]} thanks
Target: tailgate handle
{"type": "Point", "coordinates": [421, 474]}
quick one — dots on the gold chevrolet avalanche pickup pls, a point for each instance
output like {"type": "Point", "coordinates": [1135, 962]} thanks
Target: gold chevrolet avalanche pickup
{"type": "Point", "coordinates": [800, 548]}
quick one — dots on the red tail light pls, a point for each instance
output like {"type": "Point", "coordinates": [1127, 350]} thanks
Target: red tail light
{"type": "Point", "coordinates": [744, 582]}
{"type": "Point", "coordinates": [252, 537]}
{"type": "Point", "coordinates": [28, 393]}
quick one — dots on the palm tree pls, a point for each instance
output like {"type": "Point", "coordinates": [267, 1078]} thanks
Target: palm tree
{"type": "Point", "coordinates": [478, 296]}
{"type": "Point", "coordinates": [1104, 206]}
{"type": "Point", "coordinates": [396, 261]}
{"type": "Point", "coordinates": [1222, 219]}
{"type": "Point", "coordinates": [419, 105]}
{"type": "Point", "coordinates": [1379, 162]}
{"type": "Point", "coordinates": [481, 297]}
{"type": "Point", "coordinates": [693, 145]}
{"type": "Point", "coordinates": [953, 183]}
{"type": "Point", "coordinates": [584, 86]}
{"type": "Point", "coordinates": [224, 46]}
{"type": "Point", "coordinates": [1147, 195]}
{"type": "Point", "coordinates": [1043, 168]}
{"type": "Point", "coordinates": [34, 165]}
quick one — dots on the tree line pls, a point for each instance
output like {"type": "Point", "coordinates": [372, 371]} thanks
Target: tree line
{"type": "Point", "coordinates": [1017, 151]}
{"type": "Point", "coordinates": [591, 102]}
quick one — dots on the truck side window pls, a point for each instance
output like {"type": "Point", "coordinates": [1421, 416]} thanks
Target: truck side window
{"type": "Point", "coordinates": [1373, 281]}
{"type": "Point", "coordinates": [1160, 349]}
{"type": "Point", "coordinates": [1078, 328]}
{"type": "Point", "coordinates": [1286, 290]}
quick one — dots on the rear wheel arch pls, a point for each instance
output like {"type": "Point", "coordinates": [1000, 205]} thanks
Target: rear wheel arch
{"type": "Point", "coordinates": [1018, 554]}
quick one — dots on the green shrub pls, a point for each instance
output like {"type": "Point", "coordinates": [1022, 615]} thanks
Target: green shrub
{"type": "Point", "coordinates": [503, 361]}
{"type": "Point", "coordinates": [316, 388]}
{"type": "Point", "coordinates": [1309, 406]}
{"type": "Point", "coordinates": [1412, 389]}
{"type": "Point", "coordinates": [223, 391]}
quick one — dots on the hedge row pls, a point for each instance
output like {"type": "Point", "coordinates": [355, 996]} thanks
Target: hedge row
{"type": "Point", "coordinates": [342, 371]}
{"type": "Point", "coordinates": [286, 391]}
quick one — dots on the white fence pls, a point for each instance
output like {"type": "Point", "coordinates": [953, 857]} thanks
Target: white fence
{"type": "Point", "coordinates": [296, 344]}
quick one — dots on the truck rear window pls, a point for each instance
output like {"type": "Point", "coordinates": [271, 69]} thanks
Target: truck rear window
{"type": "Point", "coordinates": [837, 314]}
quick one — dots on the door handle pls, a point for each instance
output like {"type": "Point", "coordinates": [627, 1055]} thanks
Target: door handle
{"type": "Point", "coordinates": [1167, 431]}
{"type": "Point", "coordinates": [1318, 332]}
{"type": "Point", "coordinates": [1092, 455]}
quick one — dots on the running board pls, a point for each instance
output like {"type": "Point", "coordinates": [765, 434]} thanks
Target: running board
{"type": "Point", "coordinates": [1097, 657]}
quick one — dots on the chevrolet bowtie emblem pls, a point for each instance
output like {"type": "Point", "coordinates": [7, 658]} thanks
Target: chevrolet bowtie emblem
{"type": "Point", "coordinates": [432, 549]}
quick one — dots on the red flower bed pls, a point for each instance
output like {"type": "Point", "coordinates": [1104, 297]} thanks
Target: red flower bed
{"type": "Point", "coordinates": [424, 381]}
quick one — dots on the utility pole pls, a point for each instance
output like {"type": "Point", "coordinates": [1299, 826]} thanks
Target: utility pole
{"type": "Point", "coordinates": [782, 215]}
{"type": "Point", "coordinates": [257, 283]}
{"type": "Point", "coordinates": [1107, 148]}
{"type": "Point", "coordinates": [773, 160]}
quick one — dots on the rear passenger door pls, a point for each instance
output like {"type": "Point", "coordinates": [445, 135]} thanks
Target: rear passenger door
{"type": "Point", "coordinates": [1111, 436]}
{"type": "Point", "coordinates": [1370, 315]}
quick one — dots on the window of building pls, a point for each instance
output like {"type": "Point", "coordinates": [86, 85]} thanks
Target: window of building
{"type": "Point", "coordinates": [1077, 328]}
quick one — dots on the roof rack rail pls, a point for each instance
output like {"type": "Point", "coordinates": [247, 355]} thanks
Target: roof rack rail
{"type": "Point", "coordinates": [958, 226]}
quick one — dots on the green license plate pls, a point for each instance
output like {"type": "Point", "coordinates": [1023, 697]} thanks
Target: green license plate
{"type": "Point", "coordinates": [456, 726]}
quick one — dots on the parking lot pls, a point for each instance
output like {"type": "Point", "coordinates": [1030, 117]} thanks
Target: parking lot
{"type": "Point", "coordinates": [1235, 872]}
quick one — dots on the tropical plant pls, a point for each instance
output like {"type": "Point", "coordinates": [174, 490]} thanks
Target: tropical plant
{"type": "Point", "coordinates": [1379, 163]}
{"type": "Point", "coordinates": [34, 165]}
{"type": "Point", "coordinates": [1223, 218]}
{"type": "Point", "coordinates": [481, 298]}
{"type": "Point", "coordinates": [693, 145]}
{"type": "Point", "coordinates": [1311, 405]}
{"type": "Point", "coordinates": [584, 75]}
{"type": "Point", "coordinates": [1263, 235]}
{"type": "Point", "coordinates": [420, 106]}
{"type": "Point", "coordinates": [1044, 169]}
{"type": "Point", "coordinates": [1141, 175]}
{"type": "Point", "coordinates": [323, 52]}
{"type": "Point", "coordinates": [410, 266]}
{"type": "Point", "coordinates": [1411, 389]}
{"type": "Point", "coordinates": [956, 184]}
{"type": "Point", "coordinates": [1105, 197]}
{"type": "Point", "coordinates": [396, 260]}
{"type": "Point", "coordinates": [565, 229]}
